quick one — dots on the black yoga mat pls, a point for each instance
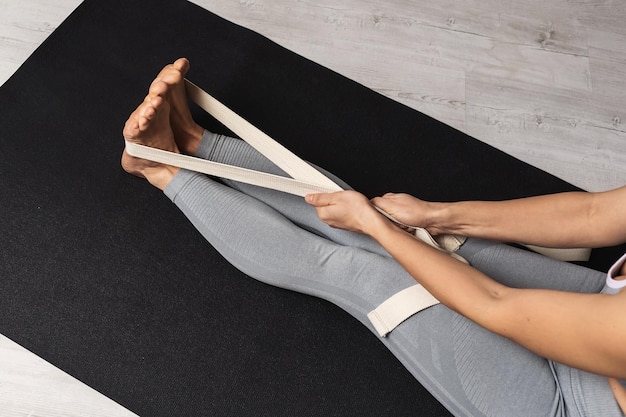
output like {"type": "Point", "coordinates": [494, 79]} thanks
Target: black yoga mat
{"type": "Point", "coordinates": [102, 276]}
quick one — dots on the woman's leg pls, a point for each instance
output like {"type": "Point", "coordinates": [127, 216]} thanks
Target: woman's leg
{"type": "Point", "coordinates": [471, 371]}
{"type": "Point", "coordinates": [521, 268]}
{"type": "Point", "coordinates": [583, 393]}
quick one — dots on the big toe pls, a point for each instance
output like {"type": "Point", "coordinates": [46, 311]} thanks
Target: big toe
{"type": "Point", "coordinates": [182, 65]}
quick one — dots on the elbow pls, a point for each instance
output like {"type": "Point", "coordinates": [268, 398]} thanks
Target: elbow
{"type": "Point", "coordinates": [601, 221]}
{"type": "Point", "coordinates": [490, 312]}
{"type": "Point", "coordinates": [498, 312]}
{"type": "Point", "coordinates": [593, 215]}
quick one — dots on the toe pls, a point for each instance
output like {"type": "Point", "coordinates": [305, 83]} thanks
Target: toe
{"type": "Point", "coordinates": [172, 77]}
{"type": "Point", "coordinates": [158, 88]}
{"type": "Point", "coordinates": [148, 110]}
{"type": "Point", "coordinates": [182, 65]}
{"type": "Point", "coordinates": [143, 123]}
{"type": "Point", "coordinates": [131, 128]}
{"type": "Point", "coordinates": [173, 73]}
{"type": "Point", "coordinates": [164, 70]}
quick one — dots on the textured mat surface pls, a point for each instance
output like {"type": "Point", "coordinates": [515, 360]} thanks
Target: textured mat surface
{"type": "Point", "coordinates": [104, 278]}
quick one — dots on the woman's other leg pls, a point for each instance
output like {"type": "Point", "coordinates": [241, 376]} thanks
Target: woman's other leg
{"type": "Point", "coordinates": [232, 151]}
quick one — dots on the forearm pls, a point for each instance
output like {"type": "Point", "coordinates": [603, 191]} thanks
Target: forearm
{"type": "Point", "coordinates": [457, 285]}
{"type": "Point", "coordinates": [560, 220]}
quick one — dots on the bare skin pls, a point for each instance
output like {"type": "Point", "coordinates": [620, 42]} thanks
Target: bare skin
{"type": "Point", "coordinates": [574, 219]}
{"type": "Point", "coordinates": [163, 121]}
{"type": "Point", "coordinates": [186, 131]}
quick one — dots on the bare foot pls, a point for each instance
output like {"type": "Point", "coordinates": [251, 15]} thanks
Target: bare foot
{"type": "Point", "coordinates": [186, 132]}
{"type": "Point", "coordinates": [149, 125]}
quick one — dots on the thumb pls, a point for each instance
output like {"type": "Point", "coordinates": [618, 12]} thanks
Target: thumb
{"type": "Point", "coordinates": [381, 202]}
{"type": "Point", "coordinates": [318, 200]}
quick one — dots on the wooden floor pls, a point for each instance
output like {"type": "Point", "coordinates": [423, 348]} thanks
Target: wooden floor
{"type": "Point", "coordinates": [543, 80]}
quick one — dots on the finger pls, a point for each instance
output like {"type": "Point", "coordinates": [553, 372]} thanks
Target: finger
{"type": "Point", "coordinates": [381, 202]}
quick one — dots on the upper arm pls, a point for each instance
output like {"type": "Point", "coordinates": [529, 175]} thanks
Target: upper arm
{"type": "Point", "coordinates": [585, 331]}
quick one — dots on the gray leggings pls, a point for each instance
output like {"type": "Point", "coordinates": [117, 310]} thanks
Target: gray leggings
{"type": "Point", "coordinates": [470, 370]}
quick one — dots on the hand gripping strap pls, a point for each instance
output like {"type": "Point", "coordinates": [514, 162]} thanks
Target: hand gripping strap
{"type": "Point", "coordinates": [400, 307]}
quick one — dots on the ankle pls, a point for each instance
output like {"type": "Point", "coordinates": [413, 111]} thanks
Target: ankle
{"type": "Point", "coordinates": [160, 176]}
{"type": "Point", "coordinates": [189, 139]}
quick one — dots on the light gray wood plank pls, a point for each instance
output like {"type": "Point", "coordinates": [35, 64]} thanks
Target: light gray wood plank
{"type": "Point", "coordinates": [553, 143]}
{"type": "Point", "coordinates": [24, 25]}
{"type": "Point", "coordinates": [599, 14]}
{"type": "Point", "coordinates": [551, 129]}
{"type": "Point", "coordinates": [607, 52]}
{"type": "Point", "coordinates": [541, 47]}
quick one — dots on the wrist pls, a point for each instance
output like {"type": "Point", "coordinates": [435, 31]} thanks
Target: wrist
{"type": "Point", "coordinates": [439, 218]}
{"type": "Point", "coordinates": [377, 225]}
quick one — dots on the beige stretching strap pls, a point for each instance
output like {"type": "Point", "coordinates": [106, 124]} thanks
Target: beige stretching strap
{"type": "Point", "coordinates": [399, 307]}
{"type": "Point", "coordinates": [565, 254]}
{"type": "Point", "coordinates": [305, 180]}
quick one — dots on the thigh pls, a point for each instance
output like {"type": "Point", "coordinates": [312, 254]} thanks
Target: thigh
{"type": "Point", "coordinates": [520, 268]}
{"type": "Point", "coordinates": [304, 215]}
{"type": "Point", "coordinates": [473, 371]}
{"type": "Point", "coordinates": [263, 243]}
